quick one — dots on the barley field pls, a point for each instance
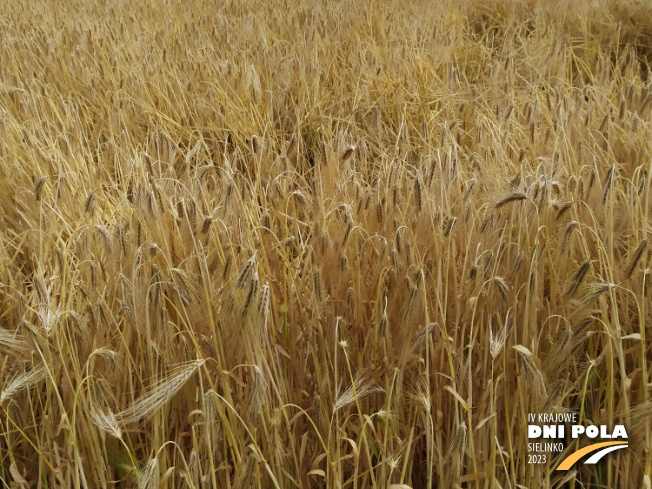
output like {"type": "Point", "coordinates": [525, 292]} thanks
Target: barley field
{"type": "Point", "coordinates": [336, 244]}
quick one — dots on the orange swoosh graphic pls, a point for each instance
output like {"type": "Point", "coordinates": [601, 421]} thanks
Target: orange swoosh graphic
{"type": "Point", "coordinates": [574, 457]}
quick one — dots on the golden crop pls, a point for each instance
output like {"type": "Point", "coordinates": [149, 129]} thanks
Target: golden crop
{"type": "Point", "coordinates": [332, 244]}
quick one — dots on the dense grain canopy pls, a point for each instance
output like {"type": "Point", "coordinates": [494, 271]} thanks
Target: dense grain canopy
{"type": "Point", "coordinates": [329, 244]}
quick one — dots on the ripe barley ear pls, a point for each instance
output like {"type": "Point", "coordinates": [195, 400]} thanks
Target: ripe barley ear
{"type": "Point", "coordinates": [642, 246]}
